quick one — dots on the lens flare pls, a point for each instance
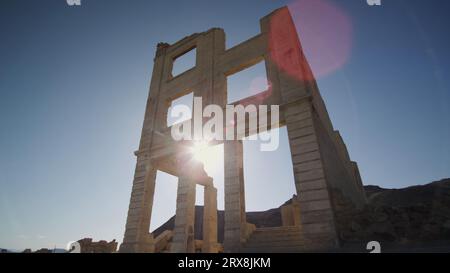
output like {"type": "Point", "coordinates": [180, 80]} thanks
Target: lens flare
{"type": "Point", "coordinates": [207, 154]}
{"type": "Point", "coordinates": [325, 32]}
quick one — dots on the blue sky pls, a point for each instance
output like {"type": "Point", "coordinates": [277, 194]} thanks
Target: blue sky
{"type": "Point", "coordinates": [74, 83]}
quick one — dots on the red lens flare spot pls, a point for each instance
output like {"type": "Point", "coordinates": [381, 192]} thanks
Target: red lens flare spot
{"type": "Point", "coordinates": [326, 35]}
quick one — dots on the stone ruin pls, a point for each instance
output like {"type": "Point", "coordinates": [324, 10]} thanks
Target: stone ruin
{"type": "Point", "coordinates": [327, 182]}
{"type": "Point", "coordinates": [102, 246]}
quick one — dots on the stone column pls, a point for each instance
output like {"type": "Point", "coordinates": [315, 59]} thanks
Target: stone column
{"type": "Point", "coordinates": [183, 237]}
{"type": "Point", "coordinates": [137, 237]}
{"type": "Point", "coordinates": [235, 220]}
{"type": "Point", "coordinates": [316, 212]}
{"type": "Point", "coordinates": [210, 220]}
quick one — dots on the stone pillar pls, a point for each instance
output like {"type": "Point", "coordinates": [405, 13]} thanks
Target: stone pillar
{"type": "Point", "coordinates": [183, 237]}
{"type": "Point", "coordinates": [137, 237]}
{"type": "Point", "coordinates": [210, 220]}
{"type": "Point", "coordinates": [235, 220]}
{"type": "Point", "coordinates": [316, 212]}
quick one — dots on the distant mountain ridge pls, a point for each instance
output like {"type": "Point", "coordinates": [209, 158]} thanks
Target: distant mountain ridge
{"type": "Point", "coordinates": [42, 250]}
{"type": "Point", "coordinates": [415, 213]}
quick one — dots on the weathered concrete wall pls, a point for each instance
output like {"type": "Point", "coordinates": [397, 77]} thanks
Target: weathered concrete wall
{"type": "Point", "coordinates": [340, 171]}
{"type": "Point", "coordinates": [345, 190]}
{"type": "Point", "coordinates": [321, 162]}
{"type": "Point", "coordinates": [316, 211]}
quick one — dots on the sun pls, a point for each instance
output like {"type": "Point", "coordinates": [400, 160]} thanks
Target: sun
{"type": "Point", "coordinates": [208, 154]}
{"type": "Point", "coordinates": [201, 151]}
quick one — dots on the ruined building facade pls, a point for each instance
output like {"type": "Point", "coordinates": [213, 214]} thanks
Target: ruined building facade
{"type": "Point", "coordinates": [327, 181]}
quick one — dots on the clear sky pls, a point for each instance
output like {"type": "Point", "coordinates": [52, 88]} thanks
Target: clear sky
{"type": "Point", "coordinates": [74, 83]}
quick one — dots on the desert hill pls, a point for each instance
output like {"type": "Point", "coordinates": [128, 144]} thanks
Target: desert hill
{"type": "Point", "coordinates": [413, 214]}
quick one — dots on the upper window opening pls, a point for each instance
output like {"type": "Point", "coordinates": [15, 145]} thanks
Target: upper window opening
{"type": "Point", "coordinates": [184, 62]}
{"type": "Point", "coordinates": [247, 82]}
